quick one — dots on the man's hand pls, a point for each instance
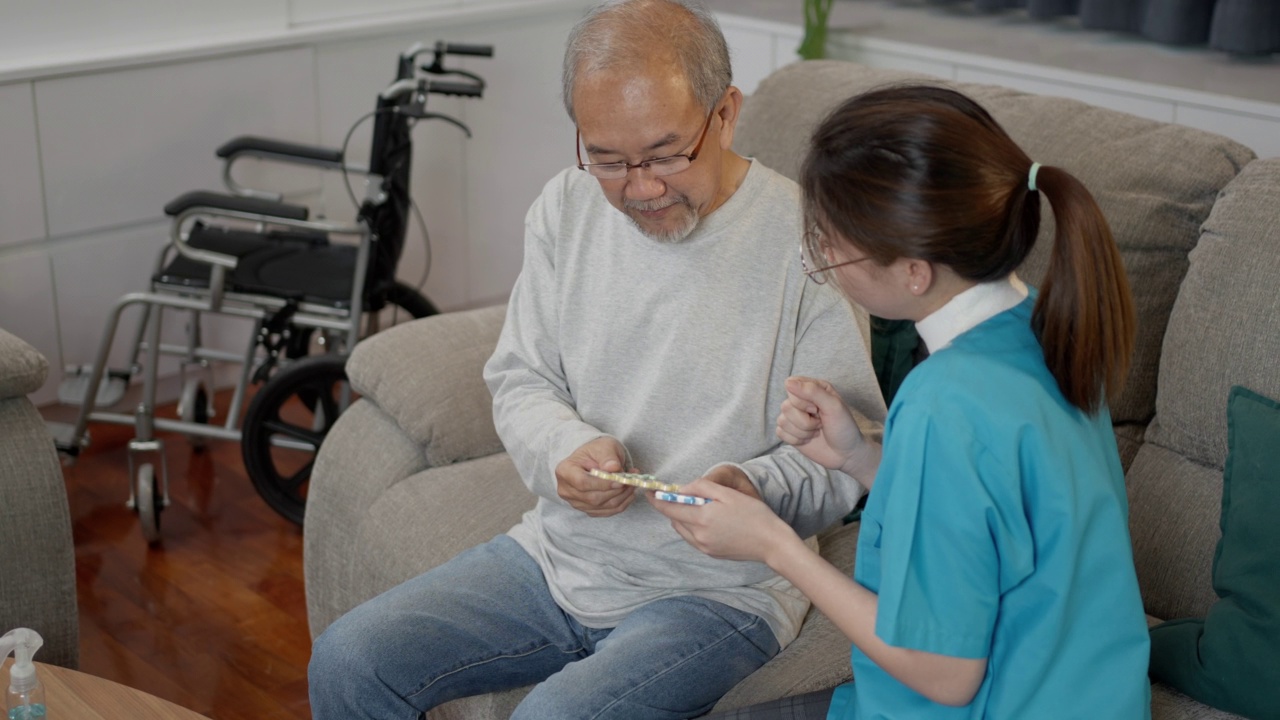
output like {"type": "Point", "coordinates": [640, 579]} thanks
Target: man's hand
{"type": "Point", "coordinates": [590, 494]}
{"type": "Point", "coordinates": [816, 421]}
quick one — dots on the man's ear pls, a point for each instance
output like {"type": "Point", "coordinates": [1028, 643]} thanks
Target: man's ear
{"type": "Point", "coordinates": [728, 112]}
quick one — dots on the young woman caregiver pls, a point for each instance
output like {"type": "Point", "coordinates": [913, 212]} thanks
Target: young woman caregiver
{"type": "Point", "coordinates": [994, 576]}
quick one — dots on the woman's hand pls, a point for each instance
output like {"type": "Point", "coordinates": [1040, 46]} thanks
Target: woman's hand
{"type": "Point", "coordinates": [816, 421]}
{"type": "Point", "coordinates": [735, 525]}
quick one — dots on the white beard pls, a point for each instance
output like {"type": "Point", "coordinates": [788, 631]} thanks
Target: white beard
{"type": "Point", "coordinates": [677, 234]}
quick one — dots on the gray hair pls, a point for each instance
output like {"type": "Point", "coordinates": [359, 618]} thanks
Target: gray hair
{"type": "Point", "coordinates": [621, 32]}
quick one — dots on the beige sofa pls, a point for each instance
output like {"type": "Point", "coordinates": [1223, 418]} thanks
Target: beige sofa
{"type": "Point", "coordinates": [414, 472]}
{"type": "Point", "coordinates": [37, 558]}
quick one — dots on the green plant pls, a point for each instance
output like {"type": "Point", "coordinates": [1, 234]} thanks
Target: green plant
{"type": "Point", "coordinates": [814, 44]}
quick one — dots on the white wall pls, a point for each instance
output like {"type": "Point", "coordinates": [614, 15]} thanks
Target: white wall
{"type": "Point", "coordinates": [38, 34]}
{"type": "Point", "coordinates": [93, 146]}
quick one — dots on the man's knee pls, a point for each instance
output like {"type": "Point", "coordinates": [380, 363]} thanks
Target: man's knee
{"type": "Point", "coordinates": [338, 649]}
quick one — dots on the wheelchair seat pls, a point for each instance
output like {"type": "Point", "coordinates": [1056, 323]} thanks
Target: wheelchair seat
{"type": "Point", "coordinates": [287, 264]}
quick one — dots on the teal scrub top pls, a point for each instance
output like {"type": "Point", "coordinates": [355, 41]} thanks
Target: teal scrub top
{"type": "Point", "coordinates": [997, 528]}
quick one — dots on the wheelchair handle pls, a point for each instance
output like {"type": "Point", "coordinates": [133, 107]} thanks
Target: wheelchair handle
{"type": "Point", "coordinates": [464, 49]}
{"type": "Point", "coordinates": [409, 56]}
{"type": "Point", "coordinates": [440, 87]}
{"type": "Point", "coordinates": [449, 87]}
{"type": "Point", "coordinates": [479, 81]}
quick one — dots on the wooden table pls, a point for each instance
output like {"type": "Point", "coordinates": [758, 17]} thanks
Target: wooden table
{"type": "Point", "coordinates": [72, 695]}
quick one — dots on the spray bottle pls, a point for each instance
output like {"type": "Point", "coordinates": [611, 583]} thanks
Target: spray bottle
{"type": "Point", "coordinates": [26, 695]}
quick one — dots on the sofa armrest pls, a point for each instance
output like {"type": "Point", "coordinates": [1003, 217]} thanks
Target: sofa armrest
{"type": "Point", "coordinates": [363, 455]}
{"type": "Point", "coordinates": [22, 368]}
{"type": "Point", "coordinates": [427, 376]}
{"type": "Point", "coordinates": [377, 515]}
{"type": "Point", "coordinates": [35, 521]}
{"type": "Point", "coordinates": [423, 404]}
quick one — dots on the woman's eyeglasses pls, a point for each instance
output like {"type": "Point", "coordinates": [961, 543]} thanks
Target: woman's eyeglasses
{"type": "Point", "coordinates": [816, 246]}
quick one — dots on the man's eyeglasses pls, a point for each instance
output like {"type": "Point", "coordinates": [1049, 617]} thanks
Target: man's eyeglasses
{"type": "Point", "coordinates": [659, 167]}
{"type": "Point", "coordinates": [815, 246]}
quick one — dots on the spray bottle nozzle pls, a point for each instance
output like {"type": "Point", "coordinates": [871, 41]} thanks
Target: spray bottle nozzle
{"type": "Point", "coordinates": [23, 643]}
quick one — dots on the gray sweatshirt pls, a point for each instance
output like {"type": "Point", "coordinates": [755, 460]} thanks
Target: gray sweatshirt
{"type": "Point", "coordinates": [679, 351]}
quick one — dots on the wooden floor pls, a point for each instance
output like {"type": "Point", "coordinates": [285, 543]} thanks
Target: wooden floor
{"type": "Point", "coordinates": [213, 617]}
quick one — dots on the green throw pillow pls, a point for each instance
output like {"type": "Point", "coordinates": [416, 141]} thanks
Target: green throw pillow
{"type": "Point", "coordinates": [1230, 659]}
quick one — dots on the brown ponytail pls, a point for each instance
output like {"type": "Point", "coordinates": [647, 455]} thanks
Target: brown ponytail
{"type": "Point", "coordinates": [1084, 315]}
{"type": "Point", "coordinates": [925, 172]}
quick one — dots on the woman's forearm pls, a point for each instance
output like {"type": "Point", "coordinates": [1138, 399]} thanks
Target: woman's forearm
{"type": "Point", "coordinates": [852, 608]}
{"type": "Point", "coordinates": [864, 463]}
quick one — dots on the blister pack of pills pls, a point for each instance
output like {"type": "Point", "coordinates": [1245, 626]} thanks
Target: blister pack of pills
{"type": "Point", "coordinates": [648, 482]}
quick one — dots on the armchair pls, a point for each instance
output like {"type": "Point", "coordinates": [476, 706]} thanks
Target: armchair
{"type": "Point", "coordinates": [37, 556]}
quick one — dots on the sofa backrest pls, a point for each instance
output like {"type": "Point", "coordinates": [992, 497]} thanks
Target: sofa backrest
{"type": "Point", "coordinates": [1224, 330]}
{"type": "Point", "coordinates": [1156, 182]}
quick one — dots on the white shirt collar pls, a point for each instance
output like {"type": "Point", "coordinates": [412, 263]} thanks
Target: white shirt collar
{"type": "Point", "coordinates": [968, 309]}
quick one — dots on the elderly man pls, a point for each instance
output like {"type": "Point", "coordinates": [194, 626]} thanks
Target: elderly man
{"type": "Point", "coordinates": [658, 313]}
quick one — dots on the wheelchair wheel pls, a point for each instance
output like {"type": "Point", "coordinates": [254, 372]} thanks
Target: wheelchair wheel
{"type": "Point", "coordinates": [399, 302]}
{"type": "Point", "coordinates": [193, 407]}
{"type": "Point", "coordinates": [284, 426]}
{"type": "Point", "coordinates": [148, 502]}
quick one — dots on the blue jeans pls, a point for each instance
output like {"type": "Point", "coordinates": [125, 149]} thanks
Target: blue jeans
{"type": "Point", "coordinates": [485, 621]}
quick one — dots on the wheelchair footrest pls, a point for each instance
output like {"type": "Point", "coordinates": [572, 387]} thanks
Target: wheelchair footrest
{"type": "Point", "coordinates": [64, 439]}
{"type": "Point", "coordinates": [75, 386]}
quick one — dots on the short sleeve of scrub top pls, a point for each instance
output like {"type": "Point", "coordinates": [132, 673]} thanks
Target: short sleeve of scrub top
{"type": "Point", "coordinates": [954, 536]}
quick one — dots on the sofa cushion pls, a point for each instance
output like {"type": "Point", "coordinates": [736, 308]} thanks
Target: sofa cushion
{"type": "Point", "coordinates": [1156, 182]}
{"type": "Point", "coordinates": [1173, 524]}
{"type": "Point", "coordinates": [439, 398]}
{"type": "Point", "coordinates": [1230, 659]}
{"type": "Point", "coordinates": [22, 368]}
{"type": "Point", "coordinates": [1169, 704]}
{"type": "Point", "coordinates": [1225, 326]}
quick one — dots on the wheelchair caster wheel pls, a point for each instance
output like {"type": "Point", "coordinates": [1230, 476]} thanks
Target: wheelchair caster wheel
{"type": "Point", "coordinates": [148, 502]}
{"type": "Point", "coordinates": [284, 426]}
{"type": "Point", "coordinates": [193, 407]}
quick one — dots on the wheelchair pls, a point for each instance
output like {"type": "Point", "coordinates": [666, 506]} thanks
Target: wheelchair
{"type": "Point", "coordinates": [310, 296]}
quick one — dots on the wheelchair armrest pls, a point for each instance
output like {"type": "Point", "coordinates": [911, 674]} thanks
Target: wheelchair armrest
{"type": "Point", "coordinates": [263, 148]}
{"type": "Point", "coordinates": [234, 203]}
{"type": "Point", "coordinates": [270, 149]}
